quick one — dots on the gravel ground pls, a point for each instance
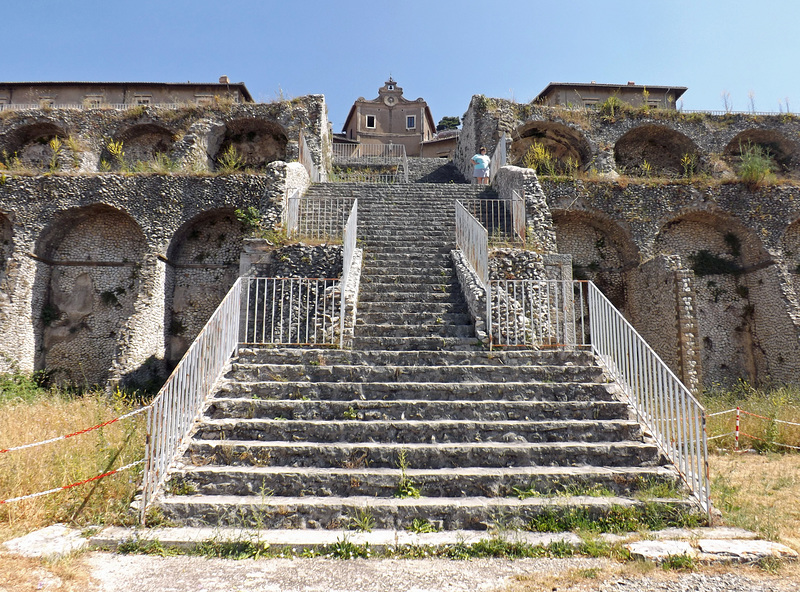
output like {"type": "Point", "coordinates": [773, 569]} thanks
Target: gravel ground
{"type": "Point", "coordinates": [137, 573]}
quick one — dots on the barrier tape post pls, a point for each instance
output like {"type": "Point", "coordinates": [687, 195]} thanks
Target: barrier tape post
{"type": "Point", "coordinates": [736, 445]}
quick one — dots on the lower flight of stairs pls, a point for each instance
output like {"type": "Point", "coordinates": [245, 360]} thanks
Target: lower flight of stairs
{"type": "Point", "coordinates": [302, 438]}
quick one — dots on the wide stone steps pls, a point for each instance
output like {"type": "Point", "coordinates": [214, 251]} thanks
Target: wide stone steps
{"type": "Point", "coordinates": [400, 373]}
{"type": "Point", "coordinates": [428, 455]}
{"type": "Point", "coordinates": [329, 512]}
{"type": "Point", "coordinates": [430, 391]}
{"type": "Point", "coordinates": [502, 482]}
{"type": "Point", "coordinates": [315, 438]}
{"type": "Point", "coordinates": [414, 431]}
{"type": "Point", "coordinates": [416, 409]}
{"type": "Point", "coordinates": [555, 357]}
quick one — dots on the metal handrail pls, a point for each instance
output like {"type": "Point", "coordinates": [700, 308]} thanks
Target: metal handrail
{"type": "Point", "coordinates": [349, 240]}
{"type": "Point", "coordinates": [503, 218]}
{"type": "Point", "coordinates": [89, 107]}
{"type": "Point", "coordinates": [174, 410]}
{"type": "Point", "coordinates": [499, 157]}
{"type": "Point", "coordinates": [323, 218]}
{"type": "Point", "coordinates": [368, 155]}
{"type": "Point", "coordinates": [472, 239]}
{"type": "Point", "coordinates": [306, 159]}
{"type": "Point", "coordinates": [674, 417]}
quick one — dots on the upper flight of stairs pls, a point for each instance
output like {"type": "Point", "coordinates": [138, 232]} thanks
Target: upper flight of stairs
{"type": "Point", "coordinates": [320, 438]}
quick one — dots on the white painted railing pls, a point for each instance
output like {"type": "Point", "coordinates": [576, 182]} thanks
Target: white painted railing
{"type": "Point", "coordinates": [291, 311]}
{"type": "Point", "coordinates": [180, 400]}
{"type": "Point", "coordinates": [574, 314]}
{"type": "Point", "coordinates": [504, 219]}
{"type": "Point", "coordinates": [674, 417]}
{"type": "Point", "coordinates": [322, 218]}
{"type": "Point", "coordinates": [88, 107]}
{"type": "Point", "coordinates": [499, 157]}
{"type": "Point", "coordinates": [307, 160]}
{"type": "Point", "coordinates": [349, 249]}
{"type": "Point", "coordinates": [356, 162]}
{"type": "Point", "coordinates": [535, 313]}
{"type": "Point", "coordinates": [473, 240]}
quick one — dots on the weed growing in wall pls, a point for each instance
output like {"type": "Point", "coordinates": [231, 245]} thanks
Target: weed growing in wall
{"type": "Point", "coordinates": [755, 165]}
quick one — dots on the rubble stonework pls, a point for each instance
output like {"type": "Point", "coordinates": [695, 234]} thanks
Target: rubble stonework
{"type": "Point", "coordinates": [105, 271]}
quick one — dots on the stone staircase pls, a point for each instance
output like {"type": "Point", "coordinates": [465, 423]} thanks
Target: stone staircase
{"type": "Point", "coordinates": [417, 424]}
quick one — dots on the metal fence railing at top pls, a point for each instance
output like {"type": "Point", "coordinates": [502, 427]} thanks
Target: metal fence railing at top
{"type": "Point", "coordinates": [504, 219]}
{"type": "Point", "coordinates": [370, 163]}
{"type": "Point", "coordinates": [573, 314]}
{"type": "Point", "coordinates": [174, 410]}
{"type": "Point", "coordinates": [473, 240]}
{"type": "Point", "coordinates": [321, 218]}
{"type": "Point", "coordinates": [88, 106]}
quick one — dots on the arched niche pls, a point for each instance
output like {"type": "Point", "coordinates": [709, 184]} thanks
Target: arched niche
{"type": "Point", "coordinates": [567, 147]}
{"type": "Point", "coordinates": [31, 146]}
{"type": "Point", "coordinates": [656, 150]}
{"type": "Point", "coordinates": [88, 280]}
{"type": "Point", "coordinates": [255, 141]}
{"type": "Point", "coordinates": [141, 144]}
{"type": "Point", "coordinates": [735, 300]}
{"type": "Point", "coordinates": [601, 250]}
{"type": "Point", "coordinates": [203, 263]}
{"type": "Point", "coordinates": [783, 152]}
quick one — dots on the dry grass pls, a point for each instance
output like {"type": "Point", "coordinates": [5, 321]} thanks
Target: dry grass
{"type": "Point", "coordinates": [759, 492]}
{"type": "Point", "coordinates": [44, 415]}
{"type": "Point", "coordinates": [21, 574]}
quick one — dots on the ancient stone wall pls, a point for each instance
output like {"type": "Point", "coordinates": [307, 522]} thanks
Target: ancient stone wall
{"type": "Point", "coordinates": [104, 276]}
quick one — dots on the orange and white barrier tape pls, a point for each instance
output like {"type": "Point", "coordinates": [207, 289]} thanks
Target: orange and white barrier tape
{"type": "Point", "coordinates": [77, 484]}
{"type": "Point", "coordinates": [73, 434]}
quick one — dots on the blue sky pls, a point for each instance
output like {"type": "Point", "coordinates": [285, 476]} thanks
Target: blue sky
{"type": "Point", "coordinates": [440, 50]}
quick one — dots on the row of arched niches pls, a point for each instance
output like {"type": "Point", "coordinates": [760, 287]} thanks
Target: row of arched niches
{"type": "Point", "coordinates": [102, 290]}
{"type": "Point", "coordinates": [655, 149]}
{"type": "Point", "coordinates": [30, 145]}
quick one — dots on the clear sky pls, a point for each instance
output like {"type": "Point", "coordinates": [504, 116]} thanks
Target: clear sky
{"type": "Point", "coordinates": [441, 50]}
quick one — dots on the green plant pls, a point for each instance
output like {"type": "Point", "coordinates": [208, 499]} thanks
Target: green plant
{"type": "Point", "coordinates": [406, 486]}
{"type": "Point", "coordinates": [350, 413]}
{"type": "Point", "coordinates": [250, 218]}
{"type": "Point", "coordinates": [49, 314]}
{"type": "Point", "coordinates": [689, 164]}
{"type": "Point", "coordinates": [422, 525]}
{"type": "Point", "coordinates": [362, 520]}
{"type": "Point", "coordinates": [55, 146]}
{"type": "Point", "coordinates": [704, 262]}
{"type": "Point", "coordinates": [117, 153]}
{"type": "Point", "coordinates": [755, 165]}
{"type": "Point", "coordinates": [679, 563]}
{"type": "Point", "coordinates": [230, 161]}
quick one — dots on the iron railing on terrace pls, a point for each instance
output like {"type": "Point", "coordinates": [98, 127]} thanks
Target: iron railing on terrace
{"type": "Point", "coordinates": [174, 410]}
{"type": "Point", "coordinates": [504, 219]}
{"type": "Point", "coordinates": [370, 163]}
{"type": "Point", "coordinates": [102, 106]}
{"type": "Point", "coordinates": [321, 218]}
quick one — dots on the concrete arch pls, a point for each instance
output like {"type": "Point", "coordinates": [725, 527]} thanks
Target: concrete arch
{"type": "Point", "coordinates": [741, 319]}
{"type": "Point", "coordinates": [257, 142]}
{"type": "Point", "coordinates": [601, 250]}
{"type": "Point", "coordinates": [784, 152]}
{"type": "Point", "coordinates": [141, 144]}
{"type": "Point", "coordinates": [89, 279]}
{"type": "Point", "coordinates": [203, 263]}
{"type": "Point", "coordinates": [28, 146]}
{"type": "Point", "coordinates": [564, 143]}
{"type": "Point", "coordinates": [661, 147]}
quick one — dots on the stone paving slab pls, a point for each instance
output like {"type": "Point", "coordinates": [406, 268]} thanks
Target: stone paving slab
{"type": "Point", "coordinates": [50, 542]}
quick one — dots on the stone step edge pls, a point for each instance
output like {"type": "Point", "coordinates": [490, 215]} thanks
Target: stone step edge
{"type": "Point", "coordinates": [704, 542]}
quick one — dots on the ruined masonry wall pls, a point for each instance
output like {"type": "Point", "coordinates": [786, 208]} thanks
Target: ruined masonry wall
{"type": "Point", "coordinates": [97, 267]}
